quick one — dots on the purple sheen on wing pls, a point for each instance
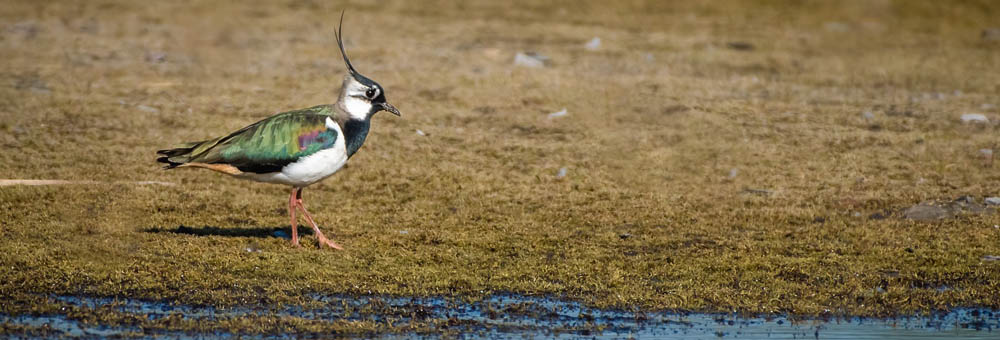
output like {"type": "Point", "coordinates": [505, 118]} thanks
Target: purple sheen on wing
{"type": "Point", "coordinates": [306, 139]}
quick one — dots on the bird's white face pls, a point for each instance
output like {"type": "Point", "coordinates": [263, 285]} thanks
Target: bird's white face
{"type": "Point", "coordinates": [358, 99]}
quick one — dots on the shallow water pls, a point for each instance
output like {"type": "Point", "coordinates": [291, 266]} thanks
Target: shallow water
{"type": "Point", "coordinates": [516, 316]}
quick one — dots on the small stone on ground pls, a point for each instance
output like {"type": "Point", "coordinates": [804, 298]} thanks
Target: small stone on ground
{"type": "Point", "coordinates": [926, 212]}
{"type": "Point", "coordinates": [974, 118]}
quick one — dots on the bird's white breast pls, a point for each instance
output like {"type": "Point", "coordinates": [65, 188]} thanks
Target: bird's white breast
{"type": "Point", "coordinates": [310, 169]}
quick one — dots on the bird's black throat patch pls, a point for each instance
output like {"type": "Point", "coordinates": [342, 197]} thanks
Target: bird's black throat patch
{"type": "Point", "coordinates": [355, 132]}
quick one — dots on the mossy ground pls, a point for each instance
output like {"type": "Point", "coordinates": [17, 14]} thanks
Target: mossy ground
{"type": "Point", "coordinates": [667, 128]}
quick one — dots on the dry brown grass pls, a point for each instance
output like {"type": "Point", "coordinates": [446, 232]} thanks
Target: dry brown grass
{"type": "Point", "coordinates": [658, 118]}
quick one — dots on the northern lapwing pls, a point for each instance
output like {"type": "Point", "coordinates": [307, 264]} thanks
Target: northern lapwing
{"type": "Point", "coordinates": [295, 148]}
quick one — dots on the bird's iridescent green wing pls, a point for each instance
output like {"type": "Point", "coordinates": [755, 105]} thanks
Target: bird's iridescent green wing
{"type": "Point", "coordinates": [272, 143]}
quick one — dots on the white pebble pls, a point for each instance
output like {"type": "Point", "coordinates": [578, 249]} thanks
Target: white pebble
{"type": "Point", "coordinates": [421, 132]}
{"type": "Point", "coordinates": [974, 118]}
{"type": "Point", "coordinates": [149, 109]}
{"type": "Point", "coordinates": [530, 59]}
{"type": "Point", "coordinates": [561, 173]}
{"type": "Point", "coordinates": [593, 44]}
{"type": "Point", "coordinates": [559, 113]}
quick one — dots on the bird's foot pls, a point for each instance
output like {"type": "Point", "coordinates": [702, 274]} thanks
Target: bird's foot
{"type": "Point", "coordinates": [324, 241]}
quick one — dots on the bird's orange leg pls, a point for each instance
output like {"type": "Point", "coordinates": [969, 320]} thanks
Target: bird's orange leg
{"type": "Point", "coordinates": [291, 213]}
{"type": "Point", "coordinates": [319, 234]}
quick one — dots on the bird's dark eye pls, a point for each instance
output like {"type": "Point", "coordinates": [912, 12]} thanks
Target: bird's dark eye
{"type": "Point", "coordinates": [370, 93]}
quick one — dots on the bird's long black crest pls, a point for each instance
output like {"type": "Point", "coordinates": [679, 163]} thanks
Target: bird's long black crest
{"type": "Point", "coordinates": [340, 42]}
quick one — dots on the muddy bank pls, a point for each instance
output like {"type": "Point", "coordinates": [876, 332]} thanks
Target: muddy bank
{"type": "Point", "coordinates": [500, 316]}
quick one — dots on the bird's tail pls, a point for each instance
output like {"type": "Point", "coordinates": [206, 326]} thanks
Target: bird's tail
{"type": "Point", "coordinates": [177, 156]}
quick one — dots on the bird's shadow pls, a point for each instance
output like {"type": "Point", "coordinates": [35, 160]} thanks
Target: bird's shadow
{"type": "Point", "coordinates": [260, 232]}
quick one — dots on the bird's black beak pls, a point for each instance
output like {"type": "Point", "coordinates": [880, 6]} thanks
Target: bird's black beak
{"type": "Point", "coordinates": [390, 108]}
